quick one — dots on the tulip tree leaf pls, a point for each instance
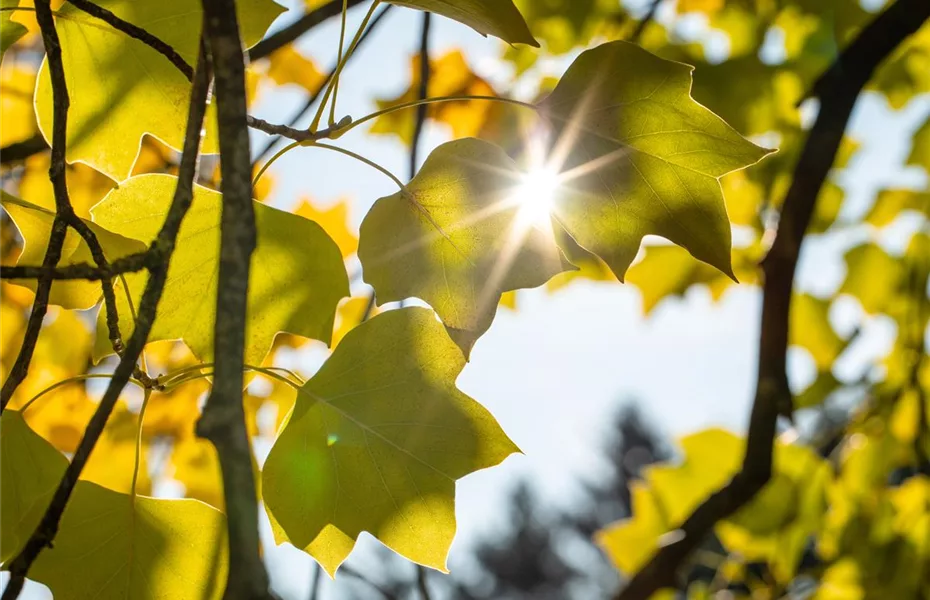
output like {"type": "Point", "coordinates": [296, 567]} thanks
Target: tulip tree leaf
{"type": "Point", "coordinates": [142, 548]}
{"type": "Point", "coordinates": [35, 225]}
{"type": "Point", "coordinates": [30, 469]}
{"type": "Point", "coordinates": [375, 442]}
{"type": "Point", "coordinates": [136, 90]}
{"type": "Point", "coordinates": [460, 242]}
{"type": "Point", "coordinates": [499, 18]}
{"type": "Point", "coordinates": [10, 31]}
{"type": "Point", "coordinates": [298, 276]}
{"type": "Point", "coordinates": [642, 157]}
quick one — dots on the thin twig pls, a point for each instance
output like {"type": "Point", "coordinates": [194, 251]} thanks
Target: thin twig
{"type": "Point", "coordinates": [421, 583]}
{"type": "Point", "coordinates": [292, 122]}
{"type": "Point", "coordinates": [645, 21]}
{"type": "Point", "coordinates": [20, 151]}
{"type": "Point", "coordinates": [223, 419]}
{"type": "Point", "coordinates": [164, 247]}
{"type": "Point", "coordinates": [846, 79]}
{"type": "Point", "coordinates": [285, 36]}
{"type": "Point", "coordinates": [422, 94]}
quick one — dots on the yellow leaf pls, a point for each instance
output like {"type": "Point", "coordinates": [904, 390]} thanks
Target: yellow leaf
{"type": "Point", "coordinates": [334, 221]}
{"type": "Point", "coordinates": [288, 66]}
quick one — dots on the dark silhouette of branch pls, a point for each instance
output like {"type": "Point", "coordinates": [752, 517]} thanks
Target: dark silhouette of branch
{"type": "Point", "coordinates": [126, 264]}
{"type": "Point", "coordinates": [64, 212]}
{"type": "Point", "coordinates": [838, 90]}
{"type": "Point", "coordinates": [223, 419]}
{"type": "Point", "coordinates": [163, 247]}
{"type": "Point", "coordinates": [422, 93]}
{"type": "Point", "coordinates": [319, 90]}
{"type": "Point", "coordinates": [20, 151]}
{"type": "Point", "coordinates": [285, 36]}
{"type": "Point", "coordinates": [644, 22]}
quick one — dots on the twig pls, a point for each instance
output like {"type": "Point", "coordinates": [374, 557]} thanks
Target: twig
{"type": "Point", "coordinates": [223, 419]}
{"type": "Point", "coordinates": [136, 32]}
{"type": "Point", "coordinates": [163, 248]}
{"type": "Point", "coordinates": [126, 264]}
{"type": "Point", "coordinates": [285, 36]}
{"type": "Point", "coordinates": [846, 79]}
{"type": "Point", "coordinates": [422, 94]}
{"type": "Point", "coordinates": [292, 122]}
{"type": "Point", "coordinates": [421, 583]}
{"type": "Point", "coordinates": [644, 22]}
{"type": "Point", "coordinates": [20, 151]}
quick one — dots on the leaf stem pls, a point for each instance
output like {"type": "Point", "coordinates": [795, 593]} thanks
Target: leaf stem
{"type": "Point", "coordinates": [335, 80]}
{"type": "Point", "coordinates": [342, 63]}
{"type": "Point", "coordinates": [135, 468]}
{"type": "Point", "coordinates": [436, 100]}
{"type": "Point", "coordinates": [362, 159]}
{"type": "Point", "coordinates": [74, 379]}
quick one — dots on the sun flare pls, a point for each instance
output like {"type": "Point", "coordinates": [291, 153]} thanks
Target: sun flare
{"type": "Point", "coordinates": [535, 197]}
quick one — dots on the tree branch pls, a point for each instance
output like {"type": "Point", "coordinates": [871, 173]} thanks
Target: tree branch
{"type": "Point", "coordinates": [223, 419]}
{"type": "Point", "coordinates": [163, 247]}
{"type": "Point", "coordinates": [285, 36]}
{"type": "Point", "coordinates": [838, 90]}
{"type": "Point", "coordinates": [20, 151]}
{"type": "Point", "coordinates": [422, 93]}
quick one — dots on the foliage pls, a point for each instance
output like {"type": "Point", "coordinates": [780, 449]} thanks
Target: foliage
{"type": "Point", "coordinates": [649, 132]}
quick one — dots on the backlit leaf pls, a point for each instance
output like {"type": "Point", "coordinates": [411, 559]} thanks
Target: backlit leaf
{"type": "Point", "coordinates": [375, 443]}
{"type": "Point", "coordinates": [499, 18]}
{"type": "Point", "coordinates": [31, 470]}
{"type": "Point", "coordinates": [35, 225]}
{"type": "Point", "coordinates": [641, 157]}
{"type": "Point", "coordinates": [135, 91]}
{"type": "Point", "coordinates": [297, 276]}
{"type": "Point", "coordinates": [142, 548]}
{"type": "Point", "coordinates": [10, 31]}
{"type": "Point", "coordinates": [461, 241]}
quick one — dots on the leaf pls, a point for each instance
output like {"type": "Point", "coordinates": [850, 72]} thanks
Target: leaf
{"type": "Point", "coordinates": [297, 276]}
{"type": "Point", "coordinates": [642, 157]}
{"type": "Point", "coordinates": [872, 277]}
{"type": "Point", "coordinates": [31, 470]}
{"type": "Point", "coordinates": [450, 75]}
{"type": "Point", "coordinates": [890, 203]}
{"type": "Point", "coordinates": [376, 441]}
{"type": "Point", "coordinates": [810, 328]}
{"type": "Point", "coordinates": [334, 221]}
{"type": "Point", "coordinates": [35, 225]}
{"type": "Point", "coordinates": [136, 91]}
{"type": "Point", "coordinates": [113, 460]}
{"type": "Point", "coordinates": [460, 242]}
{"type": "Point", "coordinates": [499, 18]}
{"type": "Point", "coordinates": [17, 118]}
{"type": "Point", "coordinates": [10, 31]}
{"type": "Point", "coordinates": [142, 548]}
{"type": "Point", "coordinates": [288, 66]}
{"type": "Point", "coordinates": [920, 148]}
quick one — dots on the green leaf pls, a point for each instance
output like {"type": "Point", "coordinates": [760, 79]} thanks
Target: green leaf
{"type": "Point", "coordinates": [10, 31]}
{"type": "Point", "coordinates": [920, 148]}
{"type": "Point", "coordinates": [872, 277]}
{"type": "Point", "coordinates": [297, 279]}
{"type": "Point", "coordinates": [499, 18]}
{"type": "Point", "coordinates": [375, 442]}
{"type": "Point", "coordinates": [35, 225]}
{"type": "Point", "coordinates": [30, 469]}
{"type": "Point", "coordinates": [810, 328]}
{"type": "Point", "coordinates": [642, 157]}
{"type": "Point", "coordinates": [114, 545]}
{"type": "Point", "coordinates": [135, 90]}
{"type": "Point", "coordinates": [460, 242]}
{"type": "Point", "coordinates": [890, 203]}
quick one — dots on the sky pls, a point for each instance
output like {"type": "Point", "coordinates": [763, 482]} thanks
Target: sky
{"type": "Point", "coordinates": [555, 371]}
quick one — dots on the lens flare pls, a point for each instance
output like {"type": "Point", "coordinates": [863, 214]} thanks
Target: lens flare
{"type": "Point", "coordinates": [534, 198]}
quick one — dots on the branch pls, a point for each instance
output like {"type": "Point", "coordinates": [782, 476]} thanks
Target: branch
{"type": "Point", "coordinates": [422, 94]}
{"type": "Point", "coordinates": [164, 247]}
{"type": "Point", "coordinates": [285, 36]}
{"type": "Point", "coordinates": [841, 86]}
{"type": "Point", "coordinates": [319, 90]}
{"type": "Point", "coordinates": [223, 419]}
{"type": "Point", "coordinates": [126, 264]}
{"type": "Point", "coordinates": [644, 22]}
{"type": "Point", "coordinates": [20, 151]}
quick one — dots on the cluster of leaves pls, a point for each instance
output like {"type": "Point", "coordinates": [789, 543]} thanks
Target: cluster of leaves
{"type": "Point", "coordinates": [376, 439]}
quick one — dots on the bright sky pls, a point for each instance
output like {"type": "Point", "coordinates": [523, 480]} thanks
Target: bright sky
{"type": "Point", "coordinates": [555, 371]}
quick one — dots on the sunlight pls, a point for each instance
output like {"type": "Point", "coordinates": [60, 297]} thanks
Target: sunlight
{"type": "Point", "coordinates": [535, 196]}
